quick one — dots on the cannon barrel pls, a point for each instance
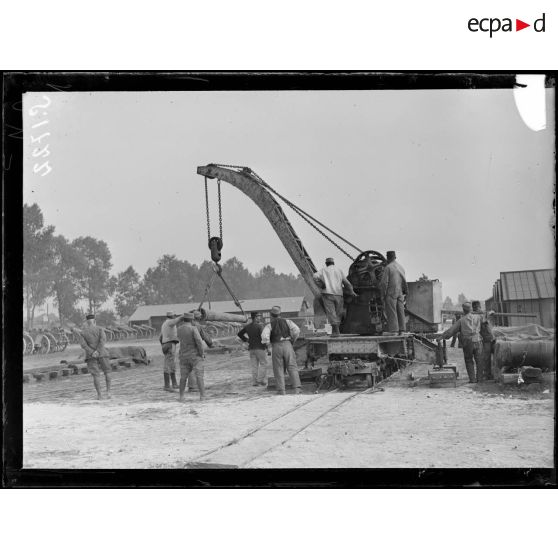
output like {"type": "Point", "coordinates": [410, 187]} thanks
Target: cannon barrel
{"type": "Point", "coordinates": [210, 315]}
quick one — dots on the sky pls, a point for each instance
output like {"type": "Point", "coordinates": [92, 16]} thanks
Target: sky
{"type": "Point", "coordinates": [452, 180]}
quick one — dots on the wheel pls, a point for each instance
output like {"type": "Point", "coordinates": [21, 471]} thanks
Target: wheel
{"type": "Point", "coordinates": [52, 341]}
{"type": "Point", "coordinates": [29, 345]}
{"type": "Point", "coordinates": [24, 346]}
{"type": "Point", "coordinates": [42, 344]}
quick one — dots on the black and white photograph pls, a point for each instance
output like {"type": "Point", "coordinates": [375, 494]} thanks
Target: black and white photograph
{"type": "Point", "coordinates": [288, 272]}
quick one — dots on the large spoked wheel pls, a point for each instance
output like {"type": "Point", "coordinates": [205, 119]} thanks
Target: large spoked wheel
{"type": "Point", "coordinates": [376, 259]}
{"type": "Point", "coordinates": [52, 341]}
{"type": "Point", "coordinates": [42, 345]}
{"type": "Point", "coordinates": [24, 346]}
{"type": "Point", "coordinates": [29, 345]}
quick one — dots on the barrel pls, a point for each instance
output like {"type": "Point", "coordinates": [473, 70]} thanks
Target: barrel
{"type": "Point", "coordinates": [540, 353]}
{"type": "Point", "coordinates": [210, 315]}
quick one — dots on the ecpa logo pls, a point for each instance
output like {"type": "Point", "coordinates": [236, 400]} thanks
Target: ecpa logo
{"type": "Point", "coordinates": [494, 24]}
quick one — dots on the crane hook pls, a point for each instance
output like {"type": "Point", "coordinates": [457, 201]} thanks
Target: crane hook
{"type": "Point", "coordinates": [215, 245]}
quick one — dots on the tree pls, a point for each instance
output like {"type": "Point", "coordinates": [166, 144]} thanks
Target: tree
{"type": "Point", "coordinates": [105, 318]}
{"type": "Point", "coordinates": [168, 282]}
{"type": "Point", "coordinates": [37, 259]}
{"type": "Point", "coordinates": [423, 278]}
{"type": "Point", "coordinates": [448, 304]}
{"type": "Point", "coordinates": [69, 267]}
{"type": "Point", "coordinates": [96, 285]}
{"type": "Point", "coordinates": [461, 299]}
{"type": "Point", "coordinates": [128, 292]}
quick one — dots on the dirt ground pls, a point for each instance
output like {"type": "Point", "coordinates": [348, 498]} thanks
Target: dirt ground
{"type": "Point", "coordinates": [143, 426]}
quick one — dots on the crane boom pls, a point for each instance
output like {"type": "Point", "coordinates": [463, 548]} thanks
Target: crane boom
{"type": "Point", "coordinates": [246, 183]}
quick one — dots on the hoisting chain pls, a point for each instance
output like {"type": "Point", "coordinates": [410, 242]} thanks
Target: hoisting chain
{"type": "Point", "coordinates": [300, 212]}
{"type": "Point", "coordinates": [220, 216]}
{"type": "Point", "coordinates": [207, 210]}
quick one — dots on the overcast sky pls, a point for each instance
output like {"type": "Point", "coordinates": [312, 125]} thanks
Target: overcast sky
{"type": "Point", "coordinates": [452, 180]}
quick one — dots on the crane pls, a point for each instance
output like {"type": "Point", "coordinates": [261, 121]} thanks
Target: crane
{"type": "Point", "coordinates": [363, 323]}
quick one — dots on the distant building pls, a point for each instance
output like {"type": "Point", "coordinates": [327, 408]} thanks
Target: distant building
{"type": "Point", "coordinates": [524, 292]}
{"type": "Point", "coordinates": [295, 308]}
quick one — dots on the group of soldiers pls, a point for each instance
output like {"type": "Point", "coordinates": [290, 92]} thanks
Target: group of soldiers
{"type": "Point", "coordinates": [276, 339]}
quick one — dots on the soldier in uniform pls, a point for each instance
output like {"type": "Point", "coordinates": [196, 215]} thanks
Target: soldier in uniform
{"type": "Point", "coordinates": [487, 338]}
{"type": "Point", "coordinates": [192, 381]}
{"type": "Point", "coordinates": [92, 339]}
{"type": "Point", "coordinates": [190, 355]}
{"type": "Point", "coordinates": [281, 334]}
{"type": "Point", "coordinates": [468, 327]}
{"type": "Point", "coordinates": [169, 340]}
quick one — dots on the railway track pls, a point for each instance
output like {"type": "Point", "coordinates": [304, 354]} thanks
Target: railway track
{"type": "Point", "coordinates": [240, 452]}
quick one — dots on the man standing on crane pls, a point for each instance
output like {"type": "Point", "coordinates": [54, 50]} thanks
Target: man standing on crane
{"type": "Point", "coordinates": [280, 334]}
{"type": "Point", "coordinates": [252, 333]}
{"type": "Point", "coordinates": [331, 279]}
{"type": "Point", "coordinates": [393, 287]}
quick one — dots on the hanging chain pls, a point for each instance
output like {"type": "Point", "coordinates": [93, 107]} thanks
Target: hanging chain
{"type": "Point", "coordinates": [207, 210]}
{"type": "Point", "coordinates": [300, 212]}
{"type": "Point", "coordinates": [220, 215]}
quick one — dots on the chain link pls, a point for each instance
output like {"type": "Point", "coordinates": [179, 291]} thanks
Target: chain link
{"type": "Point", "coordinates": [207, 210]}
{"type": "Point", "coordinates": [220, 215]}
{"type": "Point", "coordinates": [304, 215]}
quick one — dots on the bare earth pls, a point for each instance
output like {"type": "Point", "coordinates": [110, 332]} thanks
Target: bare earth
{"type": "Point", "coordinates": [243, 426]}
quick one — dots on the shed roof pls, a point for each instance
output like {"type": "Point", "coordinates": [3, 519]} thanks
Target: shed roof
{"type": "Point", "coordinates": [527, 285]}
{"type": "Point", "coordinates": [287, 304]}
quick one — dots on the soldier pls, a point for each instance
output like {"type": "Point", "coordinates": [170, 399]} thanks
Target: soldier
{"type": "Point", "coordinates": [331, 280]}
{"type": "Point", "coordinates": [487, 338]}
{"type": "Point", "coordinates": [169, 340]}
{"type": "Point", "coordinates": [257, 349]}
{"type": "Point", "coordinates": [456, 336]}
{"type": "Point", "coordinates": [393, 287]}
{"type": "Point", "coordinates": [192, 382]}
{"type": "Point", "coordinates": [92, 339]}
{"type": "Point", "coordinates": [468, 327]}
{"type": "Point", "coordinates": [280, 334]}
{"type": "Point", "coordinates": [190, 355]}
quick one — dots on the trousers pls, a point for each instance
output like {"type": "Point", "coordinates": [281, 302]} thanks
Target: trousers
{"type": "Point", "coordinates": [333, 305]}
{"type": "Point", "coordinates": [487, 360]}
{"type": "Point", "coordinates": [395, 313]}
{"type": "Point", "coordinates": [169, 352]}
{"type": "Point", "coordinates": [191, 367]}
{"type": "Point", "coordinates": [258, 359]}
{"type": "Point", "coordinates": [93, 365]}
{"type": "Point", "coordinates": [283, 358]}
{"type": "Point", "coordinates": [472, 352]}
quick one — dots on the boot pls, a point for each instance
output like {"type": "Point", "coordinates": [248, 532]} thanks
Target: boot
{"type": "Point", "coordinates": [167, 387]}
{"type": "Point", "coordinates": [335, 330]}
{"type": "Point", "coordinates": [173, 379]}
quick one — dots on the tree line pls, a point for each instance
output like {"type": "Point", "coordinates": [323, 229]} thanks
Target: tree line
{"type": "Point", "coordinates": [77, 273]}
